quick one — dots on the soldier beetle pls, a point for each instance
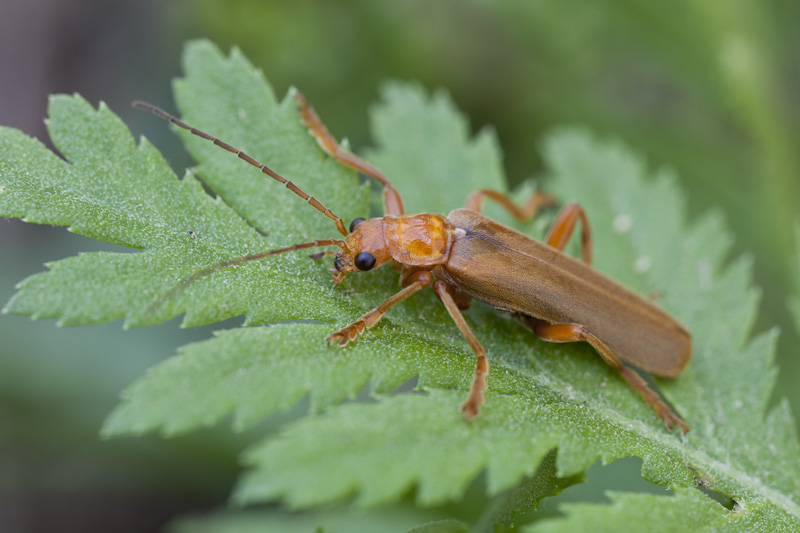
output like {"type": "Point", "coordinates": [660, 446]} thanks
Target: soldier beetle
{"type": "Point", "coordinates": [467, 256]}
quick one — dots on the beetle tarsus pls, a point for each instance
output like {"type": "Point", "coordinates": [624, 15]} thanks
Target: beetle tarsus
{"type": "Point", "coordinates": [670, 418]}
{"type": "Point", "coordinates": [661, 409]}
{"type": "Point", "coordinates": [472, 405]}
{"type": "Point", "coordinates": [347, 334]}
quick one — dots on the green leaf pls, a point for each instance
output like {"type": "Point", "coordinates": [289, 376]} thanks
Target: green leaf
{"type": "Point", "coordinates": [540, 396]}
{"type": "Point", "coordinates": [525, 496]}
{"type": "Point", "coordinates": [234, 372]}
{"type": "Point", "coordinates": [441, 526]}
{"type": "Point", "coordinates": [566, 398]}
{"type": "Point", "coordinates": [686, 510]}
{"type": "Point", "coordinates": [399, 518]}
{"type": "Point", "coordinates": [727, 386]}
{"type": "Point", "coordinates": [426, 140]}
{"type": "Point", "coordinates": [113, 190]}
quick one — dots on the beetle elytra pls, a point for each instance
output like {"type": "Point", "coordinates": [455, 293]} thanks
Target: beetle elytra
{"type": "Point", "coordinates": [467, 256]}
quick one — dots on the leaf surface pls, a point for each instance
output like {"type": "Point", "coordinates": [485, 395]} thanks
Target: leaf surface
{"type": "Point", "coordinates": [113, 190]}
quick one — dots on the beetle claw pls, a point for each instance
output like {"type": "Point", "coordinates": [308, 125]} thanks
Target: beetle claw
{"type": "Point", "coordinates": [470, 409]}
{"type": "Point", "coordinates": [338, 338]}
{"type": "Point", "coordinates": [344, 335]}
{"type": "Point", "coordinates": [670, 419]}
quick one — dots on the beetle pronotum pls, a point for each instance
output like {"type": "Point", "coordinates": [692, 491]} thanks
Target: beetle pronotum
{"type": "Point", "coordinates": [467, 256]}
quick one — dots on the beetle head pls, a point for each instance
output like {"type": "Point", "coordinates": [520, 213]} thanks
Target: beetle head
{"type": "Point", "coordinates": [364, 249]}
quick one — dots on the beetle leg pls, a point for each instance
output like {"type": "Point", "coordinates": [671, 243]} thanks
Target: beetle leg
{"type": "Point", "coordinates": [576, 332]}
{"type": "Point", "coordinates": [416, 282]}
{"type": "Point", "coordinates": [392, 203]}
{"type": "Point", "coordinates": [564, 225]}
{"type": "Point", "coordinates": [473, 403]}
{"type": "Point", "coordinates": [537, 200]}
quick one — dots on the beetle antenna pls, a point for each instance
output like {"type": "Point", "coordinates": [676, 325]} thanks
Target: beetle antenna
{"type": "Point", "coordinates": [316, 204]}
{"type": "Point", "coordinates": [177, 289]}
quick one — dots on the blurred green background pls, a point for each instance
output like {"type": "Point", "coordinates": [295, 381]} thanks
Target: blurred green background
{"type": "Point", "coordinates": [707, 87]}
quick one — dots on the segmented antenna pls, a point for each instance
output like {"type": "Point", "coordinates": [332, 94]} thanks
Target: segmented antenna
{"type": "Point", "coordinates": [177, 289]}
{"type": "Point", "coordinates": [313, 202]}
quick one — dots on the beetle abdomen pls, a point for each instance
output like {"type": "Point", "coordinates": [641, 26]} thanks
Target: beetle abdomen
{"type": "Point", "coordinates": [508, 270]}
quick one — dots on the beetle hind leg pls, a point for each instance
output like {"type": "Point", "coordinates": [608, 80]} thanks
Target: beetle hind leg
{"type": "Point", "coordinates": [576, 332]}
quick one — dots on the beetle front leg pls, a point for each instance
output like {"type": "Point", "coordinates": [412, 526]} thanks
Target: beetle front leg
{"type": "Point", "coordinates": [474, 401]}
{"type": "Point", "coordinates": [576, 332]}
{"type": "Point", "coordinates": [415, 282]}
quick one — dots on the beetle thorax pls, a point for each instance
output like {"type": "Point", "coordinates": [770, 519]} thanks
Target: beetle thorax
{"type": "Point", "coordinates": [418, 240]}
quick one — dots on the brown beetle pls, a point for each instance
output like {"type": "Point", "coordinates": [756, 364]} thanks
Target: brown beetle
{"type": "Point", "coordinates": [467, 256]}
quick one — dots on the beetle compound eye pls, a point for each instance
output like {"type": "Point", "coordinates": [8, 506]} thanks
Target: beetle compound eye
{"type": "Point", "coordinates": [364, 261]}
{"type": "Point", "coordinates": [337, 264]}
{"type": "Point", "coordinates": [354, 223]}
